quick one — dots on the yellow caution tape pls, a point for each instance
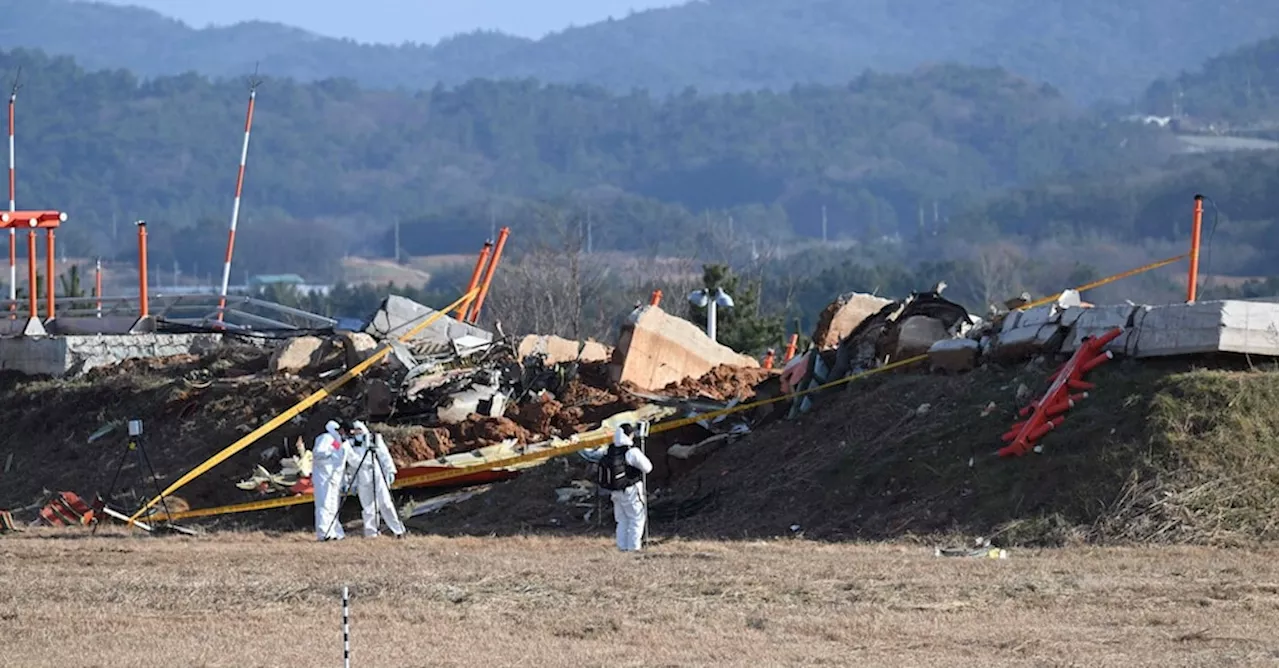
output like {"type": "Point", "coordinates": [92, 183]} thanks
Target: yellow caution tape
{"type": "Point", "coordinates": [533, 456]}
{"type": "Point", "coordinates": [453, 473]}
{"type": "Point", "coordinates": [303, 405]}
{"type": "Point", "coordinates": [1103, 281]}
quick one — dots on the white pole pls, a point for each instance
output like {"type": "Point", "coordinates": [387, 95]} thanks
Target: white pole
{"type": "Point", "coordinates": [235, 208]}
{"type": "Point", "coordinates": [346, 629]}
{"type": "Point", "coordinates": [13, 206]}
{"type": "Point", "coordinates": [711, 318]}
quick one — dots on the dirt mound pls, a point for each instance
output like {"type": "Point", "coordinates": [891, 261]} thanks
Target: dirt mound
{"type": "Point", "coordinates": [524, 504]}
{"type": "Point", "coordinates": [409, 444]}
{"type": "Point", "coordinates": [191, 407]}
{"type": "Point", "coordinates": [722, 383]}
{"type": "Point", "coordinates": [1158, 452]}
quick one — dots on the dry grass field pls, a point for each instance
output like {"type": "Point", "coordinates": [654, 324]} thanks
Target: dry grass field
{"type": "Point", "coordinates": [249, 599]}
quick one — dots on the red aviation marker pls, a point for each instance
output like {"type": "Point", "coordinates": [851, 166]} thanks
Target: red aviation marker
{"type": "Point", "coordinates": [13, 203]}
{"type": "Point", "coordinates": [1047, 413]}
{"type": "Point", "coordinates": [32, 221]}
{"type": "Point", "coordinates": [235, 207]}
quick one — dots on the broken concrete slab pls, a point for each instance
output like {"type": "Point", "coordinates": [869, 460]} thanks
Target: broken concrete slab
{"type": "Point", "coordinates": [1026, 333]}
{"type": "Point", "coordinates": [69, 356]}
{"type": "Point", "coordinates": [296, 354]}
{"type": "Point", "coordinates": [656, 349]}
{"type": "Point", "coordinates": [1097, 321]}
{"type": "Point", "coordinates": [558, 350]}
{"type": "Point", "coordinates": [954, 355]}
{"type": "Point", "coordinates": [843, 315]}
{"type": "Point", "coordinates": [1235, 326]}
{"type": "Point", "coordinates": [398, 315]}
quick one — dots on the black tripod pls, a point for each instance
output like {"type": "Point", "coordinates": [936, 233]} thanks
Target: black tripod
{"type": "Point", "coordinates": [355, 475]}
{"type": "Point", "coordinates": [132, 445]}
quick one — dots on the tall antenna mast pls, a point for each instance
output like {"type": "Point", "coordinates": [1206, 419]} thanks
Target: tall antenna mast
{"type": "Point", "coordinates": [235, 207]}
{"type": "Point", "coordinates": [13, 204]}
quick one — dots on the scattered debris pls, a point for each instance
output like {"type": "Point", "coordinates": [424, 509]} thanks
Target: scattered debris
{"type": "Point", "coordinates": [982, 549]}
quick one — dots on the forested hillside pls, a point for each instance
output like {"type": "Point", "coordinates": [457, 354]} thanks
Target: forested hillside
{"type": "Point", "coordinates": [1238, 88]}
{"type": "Point", "coordinates": [1090, 48]}
{"type": "Point", "coordinates": [873, 152]}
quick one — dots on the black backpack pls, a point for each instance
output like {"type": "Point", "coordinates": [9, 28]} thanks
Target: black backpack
{"type": "Point", "coordinates": [614, 473]}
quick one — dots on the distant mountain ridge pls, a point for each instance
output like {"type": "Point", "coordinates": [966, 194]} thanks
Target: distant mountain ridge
{"type": "Point", "coordinates": [1091, 49]}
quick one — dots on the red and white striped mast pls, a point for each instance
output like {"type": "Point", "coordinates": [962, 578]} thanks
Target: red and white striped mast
{"type": "Point", "coordinates": [235, 207]}
{"type": "Point", "coordinates": [13, 203]}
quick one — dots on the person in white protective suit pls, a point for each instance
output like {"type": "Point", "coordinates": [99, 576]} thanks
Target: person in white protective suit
{"type": "Point", "coordinates": [329, 457]}
{"type": "Point", "coordinates": [622, 471]}
{"type": "Point", "coordinates": [373, 471]}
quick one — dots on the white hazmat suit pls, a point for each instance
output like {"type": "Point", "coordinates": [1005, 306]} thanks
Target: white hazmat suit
{"type": "Point", "coordinates": [629, 505]}
{"type": "Point", "coordinates": [372, 480]}
{"type": "Point", "coordinates": [329, 458]}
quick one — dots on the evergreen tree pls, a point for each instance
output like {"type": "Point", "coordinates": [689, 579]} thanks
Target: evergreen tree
{"type": "Point", "coordinates": [743, 327]}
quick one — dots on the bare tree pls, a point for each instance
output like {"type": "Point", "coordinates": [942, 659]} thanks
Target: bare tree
{"type": "Point", "coordinates": [998, 272]}
{"type": "Point", "coordinates": [545, 290]}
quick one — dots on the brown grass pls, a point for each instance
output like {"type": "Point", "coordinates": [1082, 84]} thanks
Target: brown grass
{"type": "Point", "coordinates": [255, 600]}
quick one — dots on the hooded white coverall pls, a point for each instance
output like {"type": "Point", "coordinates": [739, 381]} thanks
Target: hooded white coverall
{"type": "Point", "coordinates": [372, 481]}
{"type": "Point", "coordinates": [629, 509]}
{"type": "Point", "coordinates": [328, 465]}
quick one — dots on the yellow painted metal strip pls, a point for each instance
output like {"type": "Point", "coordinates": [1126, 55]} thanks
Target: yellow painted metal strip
{"type": "Point", "coordinates": [540, 454]}
{"type": "Point", "coordinates": [1103, 281]}
{"type": "Point", "coordinates": [303, 405]}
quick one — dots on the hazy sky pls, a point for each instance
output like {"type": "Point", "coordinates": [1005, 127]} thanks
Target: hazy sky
{"type": "Point", "coordinates": [396, 21]}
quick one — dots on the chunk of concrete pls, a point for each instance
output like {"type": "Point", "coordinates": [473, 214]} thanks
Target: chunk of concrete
{"type": "Point", "coordinates": [296, 354]}
{"type": "Point", "coordinates": [1235, 326]}
{"type": "Point", "coordinates": [954, 355]}
{"type": "Point", "coordinates": [656, 349]}
{"type": "Point", "coordinates": [1098, 321]}
{"type": "Point", "coordinates": [1029, 332]}
{"type": "Point", "coordinates": [558, 350]}
{"type": "Point", "coordinates": [917, 334]}
{"type": "Point", "coordinates": [398, 316]}
{"type": "Point", "coordinates": [843, 315]}
{"type": "Point", "coordinates": [358, 347]}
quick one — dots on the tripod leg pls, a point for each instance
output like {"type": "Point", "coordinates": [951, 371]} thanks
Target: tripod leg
{"type": "Point", "coordinates": [155, 482]}
{"type": "Point", "coordinates": [112, 487]}
{"type": "Point", "coordinates": [346, 495]}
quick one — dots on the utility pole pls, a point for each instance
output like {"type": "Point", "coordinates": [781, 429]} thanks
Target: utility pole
{"type": "Point", "coordinates": [397, 235]}
{"type": "Point", "coordinates": [824, 223]}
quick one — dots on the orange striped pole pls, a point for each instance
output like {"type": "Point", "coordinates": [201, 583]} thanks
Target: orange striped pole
{"type": "Point", "coordinates": [1193, 274]}
{"type": "Point", "coordinates": [791, 348]}
{"type": "Point", "coordinates": [97, 284]}
{"type": "Point", "coordinates": [475, 280]}
{"type": "Point", "coordinates": [655, 298]}
{"type": "Point", "coordinates": [768, 360]}
{"type": "Point", "coordinates": [33, 291]}
{"type": "Point", "coordinates": [488, 274]}
{"type": "Point", "coordinates": [235, 207]}
{"type": "Point", "coordinates": [143, 299]}
{"type": "Point", "coordinates": [49, 270]}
